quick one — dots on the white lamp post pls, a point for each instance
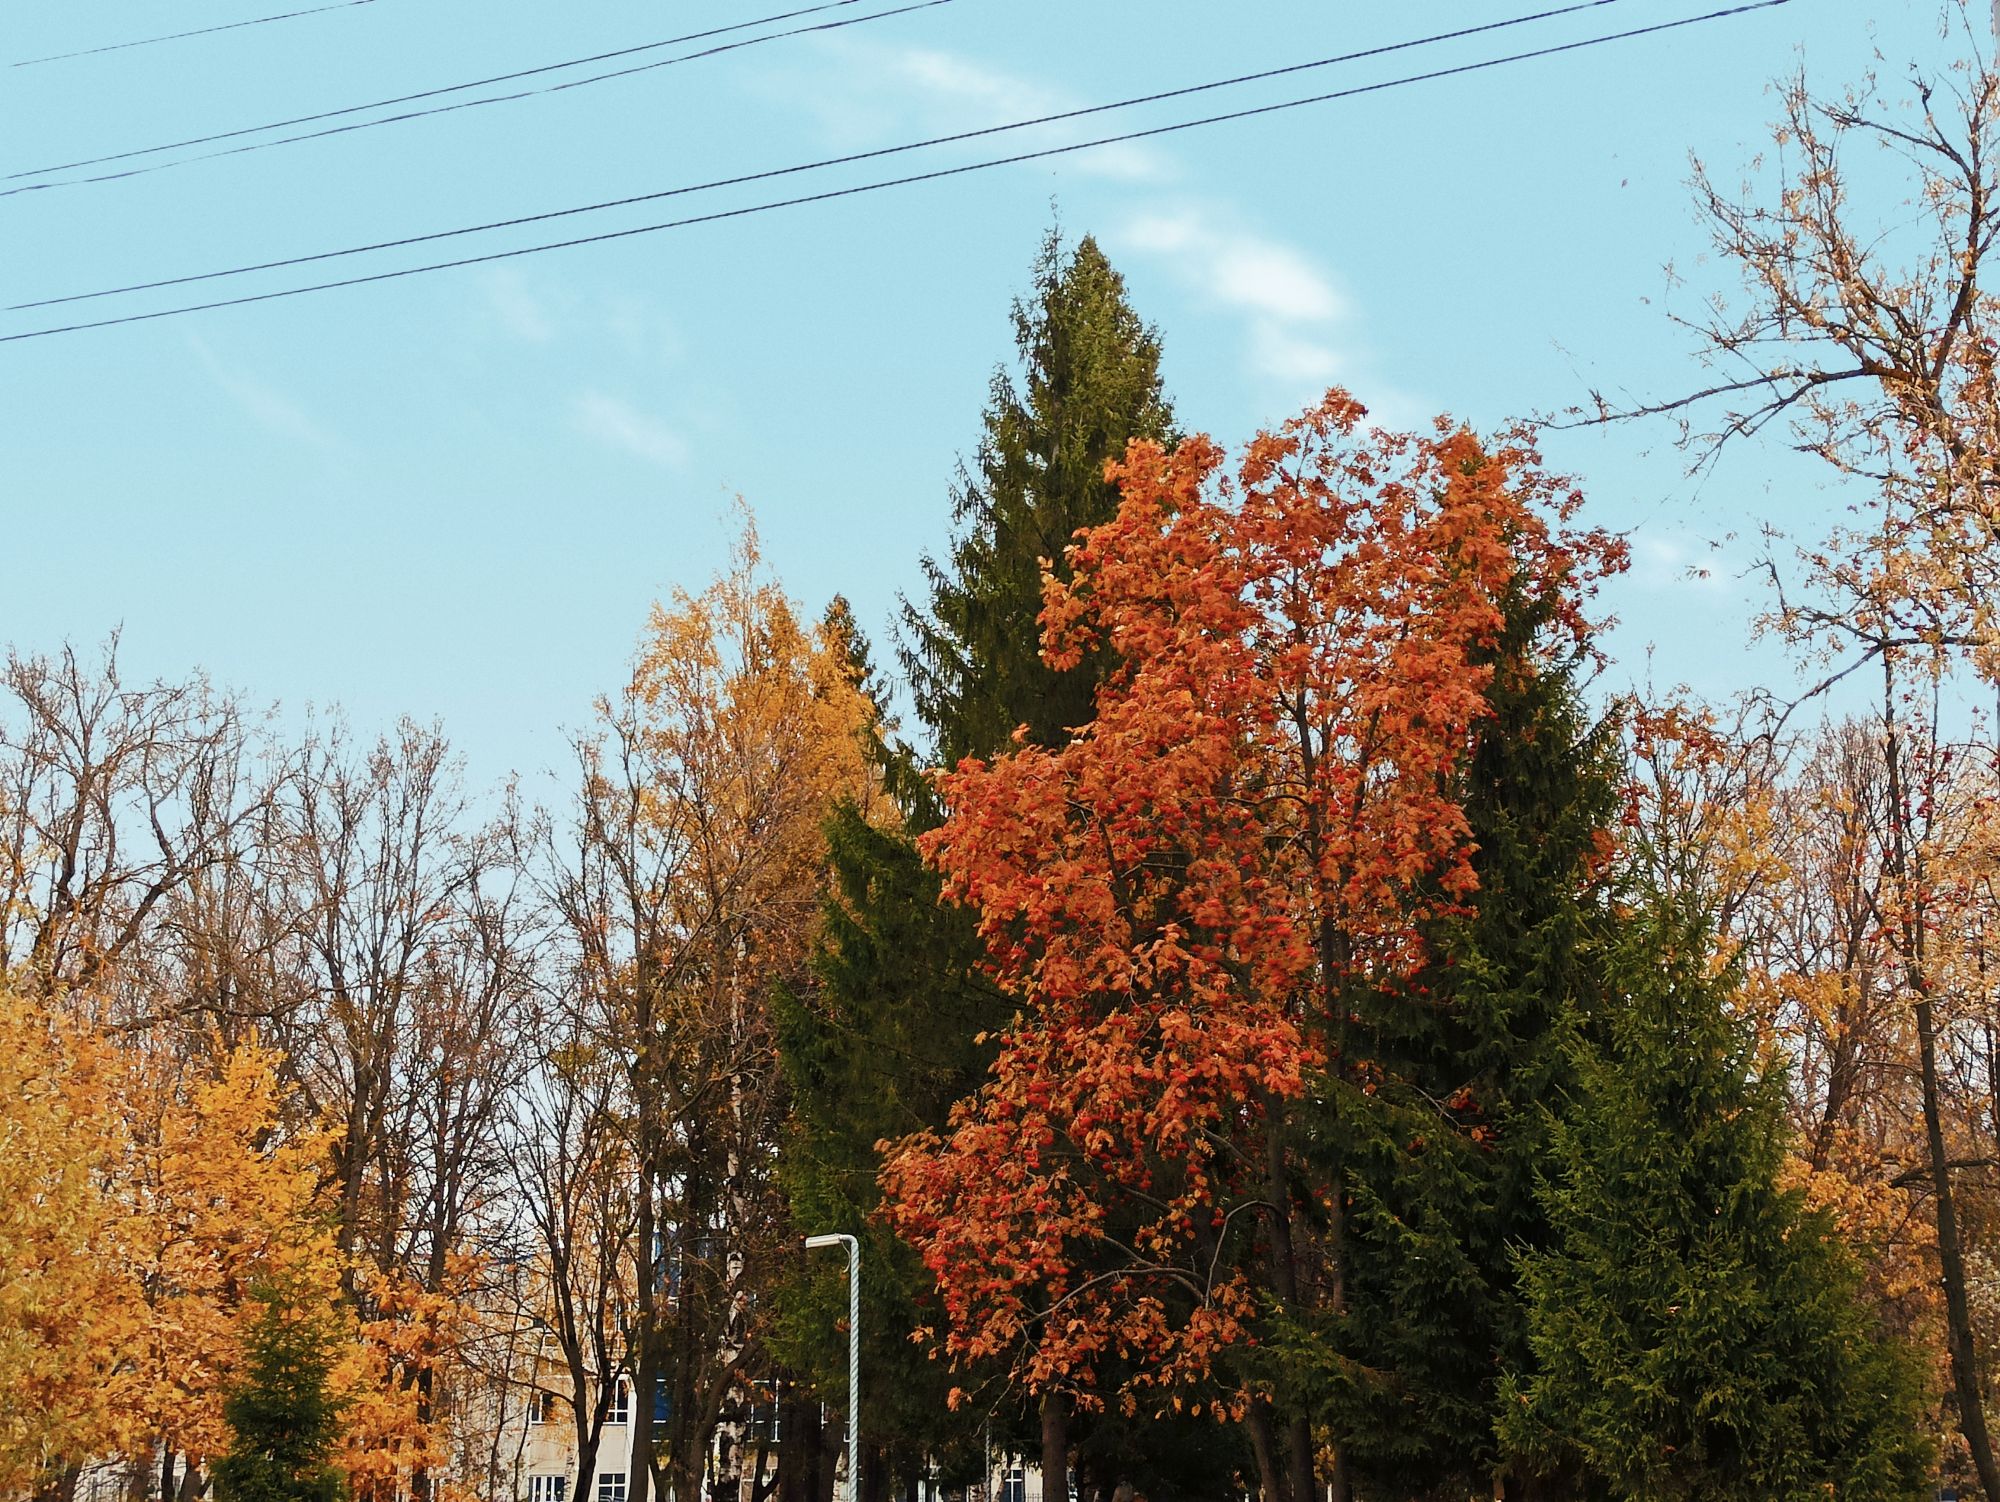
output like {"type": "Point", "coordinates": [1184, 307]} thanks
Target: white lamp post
{"type": "Point", "coordinates": [813, 1244]}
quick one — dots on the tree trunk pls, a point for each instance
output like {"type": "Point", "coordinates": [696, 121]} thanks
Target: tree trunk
{"type": "Point", "coordinates": [58, 1485]}
{"type": "Point", "coordinates": [762, 1485]}
{"type": "Point", "coordinates": [1257, 1425]}
{"type": "Point", "coordinates": [1335, 952]}
{"type": "Point", "coordinates": [1338, 1486]}
{"type": "Point", "coordinates": [1951, 1264]}
{"type": "Point", "coordinates": [684, 1470]}
{"type": "Point", "coordinates": [1089, 1479]}
{"type": "Point", "coordinates": [646, 1258]}
{"type": "Point", "coordinates": [1906, 885]}
{"type": "Point", "coordinates": [874, 1474]}
{"type": "Point", "coordinates": [798, 1447]}
{"type": "Point", "coordinates": [420, 1478]}
{"type": "Point", "coordinates": [645, 1382]}
{"type": "Point", "coordinates": [831, 1448]}
{"type": "Point", "coordinates": [1055, 1447]}
{"type": "Point", "coordinates": [1298, 1459]}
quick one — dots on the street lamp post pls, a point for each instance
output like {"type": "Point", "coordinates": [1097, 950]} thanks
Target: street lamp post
{"type": "Point", "coordinates": [813, 1244]}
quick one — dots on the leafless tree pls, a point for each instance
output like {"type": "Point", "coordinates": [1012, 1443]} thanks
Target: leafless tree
{"type": "Point", "coordinates": [113, 799]}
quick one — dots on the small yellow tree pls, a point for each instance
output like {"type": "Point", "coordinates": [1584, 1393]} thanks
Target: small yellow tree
{"type": "Point", "coordinates": [217, 1200]}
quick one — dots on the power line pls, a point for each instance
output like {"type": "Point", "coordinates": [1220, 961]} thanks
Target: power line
{"type": "Point", "coordinates": [834, 161]}
{"type": "Point", "coordinates": [175, 36]}
{"type": "Point", "coordinates": [453, 89]}
{"type": "Point", "coordinates": [898, 182]}
{"type": "Point", "coordinates": [422, 94]}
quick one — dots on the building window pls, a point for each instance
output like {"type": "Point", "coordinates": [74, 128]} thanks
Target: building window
{"type": "Point", "coordinates": [542, 1409]}
{"type": "Point", "coordinates": [547, 1488]}
{"type": "Point", "coordinates": [764, 1411]}
{"type": "Point", "coordinates": [620, 1413]}
{"type": "Point", "coordinates": [610, 1486]}
{"type": "Point", "coordinates": [1014, 1486]}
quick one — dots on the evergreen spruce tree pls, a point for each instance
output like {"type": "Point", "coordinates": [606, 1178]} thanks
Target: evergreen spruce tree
{"type": "Point", "coordinates": [1089, 383]}
{"type": "Point", "coordinates": [283, 1419]}
{"type": "Point", "coordinates": [1443, 1129]}
{"type": "Point", "coordinates": [891, 1036]}
{"type": "Point", "coordinates": [882, 1047]}
{"type": "Point", "coordinates": [1695, 1331]}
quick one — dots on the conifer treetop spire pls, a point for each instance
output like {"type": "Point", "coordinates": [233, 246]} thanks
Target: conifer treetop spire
{"type": "Point", "coordinates": [1088, 382]}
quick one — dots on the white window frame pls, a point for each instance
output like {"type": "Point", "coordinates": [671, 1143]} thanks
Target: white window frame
{"type": "Point", "coordinates": [611, 1486]}
{"type": "Point", "coordinates": [548, 1488]}
{"type": "Point", "coordinates": [620, 1410]}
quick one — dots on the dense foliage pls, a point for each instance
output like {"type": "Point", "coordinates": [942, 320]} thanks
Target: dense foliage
{"type": "Point", "coordinates": [1276, 1023]}
{"type": "Point", "coordinates": [1695, 1329]}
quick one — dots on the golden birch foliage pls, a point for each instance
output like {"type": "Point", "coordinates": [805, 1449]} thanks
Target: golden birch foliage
{"type": "Point", "coordinates": [743, 727]}
{"type": "Point", "coordinates": [750, 727]}
{"type": "Point", "coordinates": [69, 1305]}
{"type": "Point", "coordinates": [218, 1202]}
{"type": "Point", "coordinates": [704, 804]}
{"type": "Point", "coordinates": [390, 1381]}
{"type": "Point", "coordinates": [138, 1209]}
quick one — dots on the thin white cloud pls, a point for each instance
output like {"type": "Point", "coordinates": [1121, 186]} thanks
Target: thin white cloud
{"type": "Point", "coordinates": [616, 422]}
{"type": "Point", "coordinates": [543, 309]}
{"type": "Point", "coordinates": [1674, 561]}
{"type": "Point", "coordinates": [877, 92]}
{"type": "Point", "coordinates": [519, 310]}
{"type": "Point", "coordinates": [642, 329]}
{"type": "Point", "coordinates": [1295, 316]}
{"type": "Point", "coordinates": [1291, 357]}
{"type": "Point", "coordinates": [996, 95]}
{"type": "Point", "coordinates": [264, 404]}
{"type": "Point", "coordinates": [1237, 268]}
{"type": "Point", "coordinates": [1298, 330]}
{"type": "Point", "coordinates": [989, 97]}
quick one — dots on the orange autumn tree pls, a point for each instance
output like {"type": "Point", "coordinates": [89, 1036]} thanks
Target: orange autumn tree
{"type": "Point", "coordinates": [1258, 819]}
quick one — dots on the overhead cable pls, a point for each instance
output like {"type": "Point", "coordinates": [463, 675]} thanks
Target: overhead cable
{"type": "Point", "coordinates": [847, 159]}
{"type": "Point", "coordinates": [176, 36]}
{"type": "Point", "coordinates": [432, 93]}
{"type": "Point", "coordinates": [937, 174]}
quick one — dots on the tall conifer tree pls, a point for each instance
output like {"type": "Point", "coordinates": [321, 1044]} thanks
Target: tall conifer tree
{"type": "Point", "coordinates": [1695, 1330]}
{"type": "Point", "coordinates": [1444, 1119]}
{"type": "Point", "coordinates": [1551, 1126]}
{"type": "Point", "coordinates": [892, 1037]}
{"type": "Point", "coordinates": [1089, 383]}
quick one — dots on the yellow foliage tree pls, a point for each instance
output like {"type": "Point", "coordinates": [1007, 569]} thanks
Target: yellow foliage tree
{"type": "Point", "coordinates": [695, 896]}
{"type": "Point", "coordinates": [141, 1202]}
{"type": "Point", "coordinates": [393, 1440]}
{"type": "Point", "coordinates": [69, 1306]}
{"type": "Point", "coordinates": [218, 1201]}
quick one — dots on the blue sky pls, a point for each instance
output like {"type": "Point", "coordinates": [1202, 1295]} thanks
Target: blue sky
{"type": "Point", "coordinates": [454, 495]}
